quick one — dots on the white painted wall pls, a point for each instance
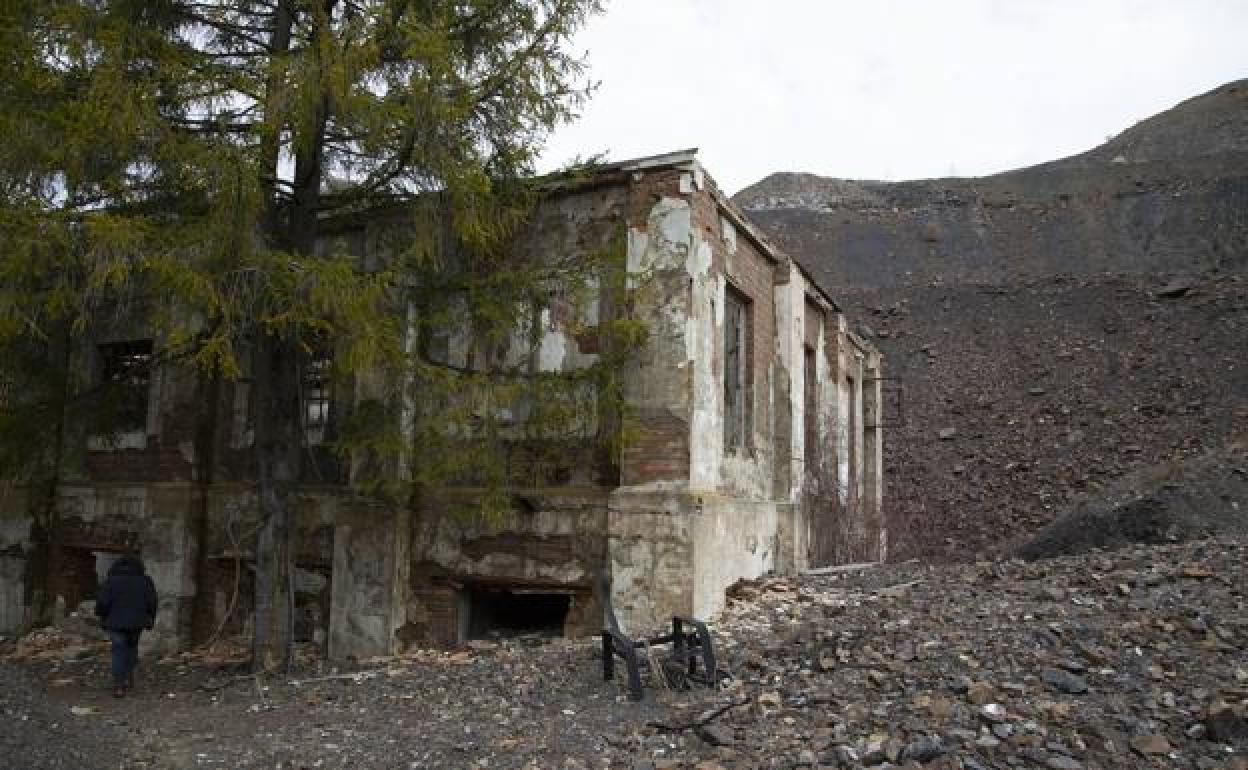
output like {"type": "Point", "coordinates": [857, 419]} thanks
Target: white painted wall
{"type": "Point", "coordinates": [732, 539]}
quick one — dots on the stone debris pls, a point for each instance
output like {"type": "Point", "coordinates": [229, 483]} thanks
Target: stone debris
{"type": "Point", "coordinates": [55, 644]}
{"type": "Point", "coordinates": [223, 652]}
{"type": "Point", "coordinates": [983, 666]}
{"type": "Point", "coordinates": [1122, 403]}
{"type": "Point", "coordinates": [1064, 681]}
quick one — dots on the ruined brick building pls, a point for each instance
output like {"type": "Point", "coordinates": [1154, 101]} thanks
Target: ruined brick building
{"type": "Point", "coordinates": [750, 383]}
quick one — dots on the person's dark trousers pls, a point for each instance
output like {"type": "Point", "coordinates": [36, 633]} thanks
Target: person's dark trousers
{"type": "Point", "coordinates": [125, 655]}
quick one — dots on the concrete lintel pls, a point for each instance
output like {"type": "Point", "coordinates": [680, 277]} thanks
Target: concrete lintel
{"type": "Point", "coordinates": [861, 343]}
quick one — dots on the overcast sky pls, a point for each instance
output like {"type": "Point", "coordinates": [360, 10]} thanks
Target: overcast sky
{"type": "Point", "coordinates": [891, 89]}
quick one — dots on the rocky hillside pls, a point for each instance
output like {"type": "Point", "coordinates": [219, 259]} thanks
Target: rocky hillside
{"type": "Point", "coordinates": [1049, 329]}
{"type": "Point", "coordinates": [1172, 501]}
{"type": "Point", "coordinates": [1168, 195]}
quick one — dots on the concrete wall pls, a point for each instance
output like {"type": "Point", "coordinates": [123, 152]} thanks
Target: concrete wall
{"type": "Point", "coordinates": [556, 544]}
{"type": "Point", "coordinates": [14, 556]}
{"type": "Point", "coordinates": [732, 539]}
{"type": "Point", "coordinates": [370, 570]}
{"type": "Point", "coordinates": [650, 553]}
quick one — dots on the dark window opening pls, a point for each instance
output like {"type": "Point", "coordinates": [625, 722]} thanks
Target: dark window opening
{"type": "Point", "coordinates": [437, 347]}
{"type": "Point", "coordinates": [79, 572]}
{"type": "Point", "coordinates": [126, 371]}
{"type": "Point", "coordinates": [811, 410]}
{"type": "Point", "coordinates": [737, 369]}
{"type": "Point", "coordinates": [498, 614]}
{"type": "Point", "coordinates": [854, 440]}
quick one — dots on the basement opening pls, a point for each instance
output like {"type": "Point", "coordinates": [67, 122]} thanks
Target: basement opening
{"type": "Point", "coordinates": [78, 572]}
{"type": "Point", "coordinates": [505, 614]}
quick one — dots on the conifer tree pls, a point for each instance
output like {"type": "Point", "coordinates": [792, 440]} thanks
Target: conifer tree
{"type": "Point", "coordinates": [185, 159]}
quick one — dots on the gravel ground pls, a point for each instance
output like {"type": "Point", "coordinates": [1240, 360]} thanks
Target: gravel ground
{"type": "Point", "coordinates": [1131, 659]}
{"type": "Point", "coordinates": [38, 732]}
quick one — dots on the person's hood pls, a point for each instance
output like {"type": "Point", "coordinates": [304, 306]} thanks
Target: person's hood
{"type": "Point", "coordinates": [126, 565]}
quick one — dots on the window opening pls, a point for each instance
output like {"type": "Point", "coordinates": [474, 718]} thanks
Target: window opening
{"type": "Point", "coordinates": [316, 387]}
{"type": "Point", "coordinates": [855, 446]}
{"type": "Point", "coordinates": [736, 368]}
{"type": "Point", "coordinates": [811, 410]}
{"type": "Point", "coordinates": [126, 368]}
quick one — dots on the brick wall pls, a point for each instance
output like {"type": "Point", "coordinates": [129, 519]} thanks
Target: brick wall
{"type": "Point", "coordinates": [658, 450]}
{"type": "Point", "coordinates": [753, 275]}
{"type": "Point", "coordinates": [433, 612]}
{"type": "Point", "coordinates": [744, 266]}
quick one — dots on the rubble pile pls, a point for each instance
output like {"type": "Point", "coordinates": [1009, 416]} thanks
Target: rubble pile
{"type": "Point", "coordinates": [1135, 658]}
{"type": "Point", "coordinates": [51, 643]}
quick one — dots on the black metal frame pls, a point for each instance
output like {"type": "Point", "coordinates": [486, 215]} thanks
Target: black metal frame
{"type": "Point", "coordinates": [687, 648]}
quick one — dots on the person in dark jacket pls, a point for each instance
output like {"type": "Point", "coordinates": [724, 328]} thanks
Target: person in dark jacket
{"type": "Point", "coordinates": [126, 604]}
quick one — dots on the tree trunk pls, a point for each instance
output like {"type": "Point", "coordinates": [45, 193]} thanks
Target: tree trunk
{"type": "Point", "coordinates": [278, 453]}
{"type": "Point", "coordinates": [273, 370]}
{"type": "Point", "coordinates": [277, 382]}
{"type": "Point", "coordinates": [43, 487]}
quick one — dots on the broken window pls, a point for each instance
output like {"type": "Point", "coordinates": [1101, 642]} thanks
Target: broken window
{"type": "Point", "coordinates": [316, 393]}
{"type": "Point", "coordinates": [126, 372]}
{"type": "Point", "coordinates": [737, 385]}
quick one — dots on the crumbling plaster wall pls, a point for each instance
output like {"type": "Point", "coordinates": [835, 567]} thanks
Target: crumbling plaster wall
{"type": "Point", "coordinates": [803, 318]}
{"type": "Point", "coordinates": [565, 227]}
{"type": "Point", "coordinates": [555, 539]}
{"type": "Point", "coordinates": [741, 514]}
{"type": "Point", "coordinates": [150, 519]}
{"type": "Point", "coordinates": [739, 511]}
{"type": "Point", "coordinates": [676, 541]}
{"type": "Point", "coordinates": [557, 546]}
{"type": "Point", "coordinates": [734, 259]}
{"type": "Point", "coordinates": [559, 543]}
{"type": "Point", "coordinates": [158, 521]}
{"type": "Point", "coordinates": [873, 448]}
{"type": "Point", "coordinates": [232, 520]}
{"type": "Point", "coordinates": [652, 514]}
{"type": "Point", "coordinates": [663, 268]}
{"type": "Point", "coordinates": [847, 369]}
{"type": "Point", "coordinates": [857, 437]}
